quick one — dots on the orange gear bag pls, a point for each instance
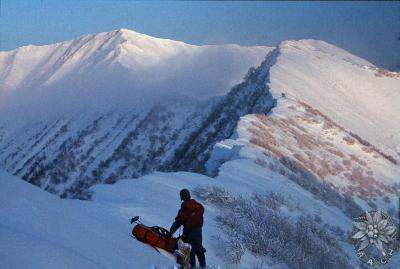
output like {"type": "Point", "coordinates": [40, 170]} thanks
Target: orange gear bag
{"type": "Point", "coordinates": [155, 236]}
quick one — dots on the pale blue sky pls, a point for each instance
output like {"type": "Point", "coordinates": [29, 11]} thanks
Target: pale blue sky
{"type": "Point", "coordinates": [368, 29]}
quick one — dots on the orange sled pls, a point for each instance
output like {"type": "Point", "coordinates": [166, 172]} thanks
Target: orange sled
{"type": "Point", "coordinates": [155, 236]}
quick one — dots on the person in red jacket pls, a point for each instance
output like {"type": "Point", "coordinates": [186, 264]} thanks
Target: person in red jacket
{"type": "Point", "coordinates": [190, 216]}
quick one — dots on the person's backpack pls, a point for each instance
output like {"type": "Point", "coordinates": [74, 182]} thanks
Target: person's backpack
{"type": "Point", "coordinates": [194, 216]}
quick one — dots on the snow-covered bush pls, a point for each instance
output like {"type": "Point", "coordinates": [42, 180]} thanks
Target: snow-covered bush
{"type": "Point", "coordinates": [273, 200]}
{"type": "Point", "coordinates": [257, 224]}
{"type": "Point", "coordinates": [213, 195]}
{"type": "Point", "coordinates": [230, 249]}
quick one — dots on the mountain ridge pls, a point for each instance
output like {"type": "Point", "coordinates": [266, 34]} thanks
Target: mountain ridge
{"type": "Point", "coordinates": [98, 125]}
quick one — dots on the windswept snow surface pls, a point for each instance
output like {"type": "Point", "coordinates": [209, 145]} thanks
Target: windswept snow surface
{"type": "Point", "coordinates": [39, 230]}
{"type": "Point", "coordinates": [347, 88]}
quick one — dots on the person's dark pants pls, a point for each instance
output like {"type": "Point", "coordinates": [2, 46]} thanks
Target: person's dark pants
{"type": "Point", "coordinates": [195, 238]}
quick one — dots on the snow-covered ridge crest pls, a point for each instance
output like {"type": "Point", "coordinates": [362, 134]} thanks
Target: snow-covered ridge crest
{"type": "Point", "coordinates": [312, 45]}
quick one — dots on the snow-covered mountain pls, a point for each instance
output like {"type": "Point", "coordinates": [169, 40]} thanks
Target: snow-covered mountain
{"type": "Point", "coordinates": [303, 134]}
{"type": "Point", "coordinates": [119, 104]}
{"type": "Point", "coordinates": [122, 104]}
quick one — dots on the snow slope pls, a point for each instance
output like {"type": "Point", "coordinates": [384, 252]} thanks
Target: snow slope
{"type": "Point", "coordinates": [39, 230]}
{"type": "Point", "coordinates": [345, 87]}
{"type": "Point", "coordinates": [42, 230]}
{"type": "Point", "coordinates": [299, 138]}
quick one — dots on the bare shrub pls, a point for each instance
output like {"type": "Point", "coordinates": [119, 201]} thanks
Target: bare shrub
{"type": "Point", "coordinates": [349, 140]}
{"type": "Point", "coordinates": [321, 190]}
{"type": "Point", "coordinates": [327, 125]}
